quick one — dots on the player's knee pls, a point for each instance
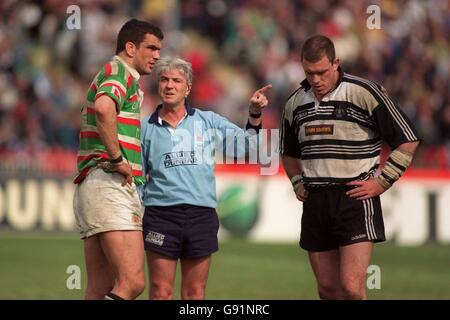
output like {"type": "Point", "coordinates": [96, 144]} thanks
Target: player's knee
{"type": "Point", "coordinates": [329, 289]}
{"type": "Point", "coordinates": [354, 290]}
{"type": "Point", "coordinates": [193, 293]}
{"type": "Point", "coordinates": [159, 291]}
{"type": "Point", "coordinates": [132, 286]}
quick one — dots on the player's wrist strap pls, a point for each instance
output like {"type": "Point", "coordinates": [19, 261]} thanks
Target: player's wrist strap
{"type": "Point", "coordinates": [393, 169]}
{"type": "Point", "coordinates": [119, 159]}
{"type": "Point", "coordinates": [295, 180]}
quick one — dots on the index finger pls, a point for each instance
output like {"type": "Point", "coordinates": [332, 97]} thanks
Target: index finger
{"type": "Point", "coordinates": [264, 89]}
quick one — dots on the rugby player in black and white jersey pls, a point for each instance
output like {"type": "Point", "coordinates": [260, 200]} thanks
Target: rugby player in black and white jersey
{"type": "Point", "coordinates": [332, 130]}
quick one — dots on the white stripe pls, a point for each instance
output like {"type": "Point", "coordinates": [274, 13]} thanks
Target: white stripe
{"type": "Point", "coordinates": [130, 115]}
{"type": "Point", "coordinates": [337, 147]}
{"type": "Point", "coordinates": [88, 127]}
{"type": "Point", "coordinates": [128, 139]}
{"type": "Point", "coordinates": [391, 108]}
{"type": "Point", "coordinates": [366, 217]}
{"type": "Point", "coordinates": [371, 218]}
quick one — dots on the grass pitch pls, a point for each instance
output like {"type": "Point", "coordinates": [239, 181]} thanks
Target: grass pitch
{"type": "Point", "coordinates": [34, 266]}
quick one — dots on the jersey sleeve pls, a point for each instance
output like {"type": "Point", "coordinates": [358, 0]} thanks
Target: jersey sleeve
{"type": "Point", "coordinates": [114, 86]}
{"type": "Point", "coordinates": [391, 122]}
{"type": "Point", "coordinates": [289, 144]}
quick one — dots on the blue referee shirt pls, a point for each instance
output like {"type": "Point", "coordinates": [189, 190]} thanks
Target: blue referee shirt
{"type": "Point", "coordinates": [180, 161]}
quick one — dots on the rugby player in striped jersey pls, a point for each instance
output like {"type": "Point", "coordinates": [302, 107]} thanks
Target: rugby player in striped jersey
{"type": "Point", "coordinates": [106, 202]}
{"type": "Point", "coordinates": [332, 130]}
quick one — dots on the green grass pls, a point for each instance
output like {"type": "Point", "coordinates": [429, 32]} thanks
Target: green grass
{"type": "Point", "coordinates": [33, 266]}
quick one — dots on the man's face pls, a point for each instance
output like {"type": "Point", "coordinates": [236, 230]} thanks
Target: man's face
{"type": "Point", "coordinates": [321, 75]}
{"type": "Point", "coordinates": [146, 54]}
{"type": "Point", "coordinates": [173, 88]}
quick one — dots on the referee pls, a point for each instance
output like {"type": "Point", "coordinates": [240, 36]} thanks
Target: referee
{"type": "Point", "coordinates": [332, 131]}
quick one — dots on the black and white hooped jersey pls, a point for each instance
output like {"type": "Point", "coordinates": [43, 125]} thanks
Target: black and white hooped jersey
{"type": "Point", "coordinates": [339, 138]}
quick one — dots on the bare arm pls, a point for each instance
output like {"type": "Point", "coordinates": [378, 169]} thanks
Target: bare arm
{"type": "Point", "coordinates": [106, 119]}
{"type": "Point", "coordinates": [373, 187]}
{"type": "Point", "coordinates": [293, 168]}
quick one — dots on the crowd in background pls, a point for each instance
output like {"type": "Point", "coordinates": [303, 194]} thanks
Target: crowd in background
{"type": "Point", "coordinates": [235, 46]}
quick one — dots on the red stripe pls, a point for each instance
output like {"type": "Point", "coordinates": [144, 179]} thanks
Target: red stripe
{"type": "Point", "coordinates": [133, 98]}
{"type": "Point", "coordinates": [133, 122]}
{"type": "Point", "coordinates": [90, 110]}
{"type": "Point", "coordinates": [129, 81]}
{"type": "Point", "coordinates": [93, 87]}
{"type": "Point", "coordinates": [108, 69]}
{"type": "Point", "coordinates": [130, 146]}
{"type": "Point", "coordinates": [89, 134]}
{"type": "Point", "coordinates": [136, 173]}
{"type": "Point", "coordinates": [115, 86]}
{"type": "Point", "coordinates": [81, 175]}
{"type": "Point", "coordinates": [99, 94]}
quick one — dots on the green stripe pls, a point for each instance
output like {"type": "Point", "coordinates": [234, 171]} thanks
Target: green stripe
{"type": "Point", "coordinates": [90, 119]}
{"type": "Point", "coordinates": [121, 74]}
{"type": "Point", "coordinates": [91, 95]}
{"type": "Point", "coordinates": [129, 130]}
{"type": "Point", "coordinates": [91, 144]}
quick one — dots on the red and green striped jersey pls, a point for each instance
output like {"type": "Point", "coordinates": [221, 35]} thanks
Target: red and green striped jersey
{"type": "Point", "coordinates": [118, 81]}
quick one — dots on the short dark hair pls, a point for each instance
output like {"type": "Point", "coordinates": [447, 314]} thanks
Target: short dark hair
{"type": "Point", "coordinates": [316, 47]}
{"type": "Point", "coordinates": [134, 31]}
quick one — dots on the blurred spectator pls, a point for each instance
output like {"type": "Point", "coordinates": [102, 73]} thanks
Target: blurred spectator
{"type": "Point", "coordinates": [234, 46]}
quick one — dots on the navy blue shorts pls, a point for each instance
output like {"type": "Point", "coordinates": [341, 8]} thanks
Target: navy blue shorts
{"type": "Point", "coordinates": [332, 219]}
{"type": "Point", "coordinates": [181, 231]}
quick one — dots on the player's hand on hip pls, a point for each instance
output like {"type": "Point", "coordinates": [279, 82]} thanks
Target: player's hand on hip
{"type": "Point", "coordinates": [259, 100]}
{"type": "Point", "coordinates": [122, 167]}
{"type": "Point", "coordinates": [300, 192]}
{"type": "Point", "coordinates": [363, 190]}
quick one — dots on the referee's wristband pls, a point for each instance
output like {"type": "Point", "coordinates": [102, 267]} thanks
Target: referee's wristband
{"type": "Point", "coordinates": [119, 159]}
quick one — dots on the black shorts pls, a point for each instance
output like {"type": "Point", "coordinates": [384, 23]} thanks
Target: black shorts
{"type": "Point", "coordinates": [181, 231]}
{"type": "Point", "coordinates": [332, 219]}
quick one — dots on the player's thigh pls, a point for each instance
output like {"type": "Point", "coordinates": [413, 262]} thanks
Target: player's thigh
{"type": "Point", "coordinates": [162, 269]}
{"type": "Point", "coordinates": [195, 271]}
{"type": "Point", "coordinates": [124, 251]}
{"type": "Point", "coordinates": [99, 272]}
{"type": "Point", "coordinates": [355, 259]}
{"type": "Point", "coordinates": [325, 265]}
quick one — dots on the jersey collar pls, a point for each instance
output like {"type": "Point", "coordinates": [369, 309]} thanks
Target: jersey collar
{"type": "Point", "coordinates": [132, 70]}
{"type": "Point", "coordinates": [154, 118]}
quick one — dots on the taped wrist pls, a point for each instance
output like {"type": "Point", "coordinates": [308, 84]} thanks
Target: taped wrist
{"type": "Point", "coordinates": [296, 181]}
{"type": "Point", "coordinates": [394, 168]}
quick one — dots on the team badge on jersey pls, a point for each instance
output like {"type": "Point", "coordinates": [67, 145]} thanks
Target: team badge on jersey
{"type": "Point", "coordinates": [340, 111]}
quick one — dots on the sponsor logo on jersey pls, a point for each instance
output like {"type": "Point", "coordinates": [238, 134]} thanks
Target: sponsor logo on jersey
{"type": "Point", "coordinates": [319, 129]}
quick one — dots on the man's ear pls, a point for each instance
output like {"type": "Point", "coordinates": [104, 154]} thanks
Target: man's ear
{"type": "Point", "coordinates": [336, 64]}
{"type": "Point", "coordinates": [130, 49]}
{"type": "Point", "coordinates": [189, 87]}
